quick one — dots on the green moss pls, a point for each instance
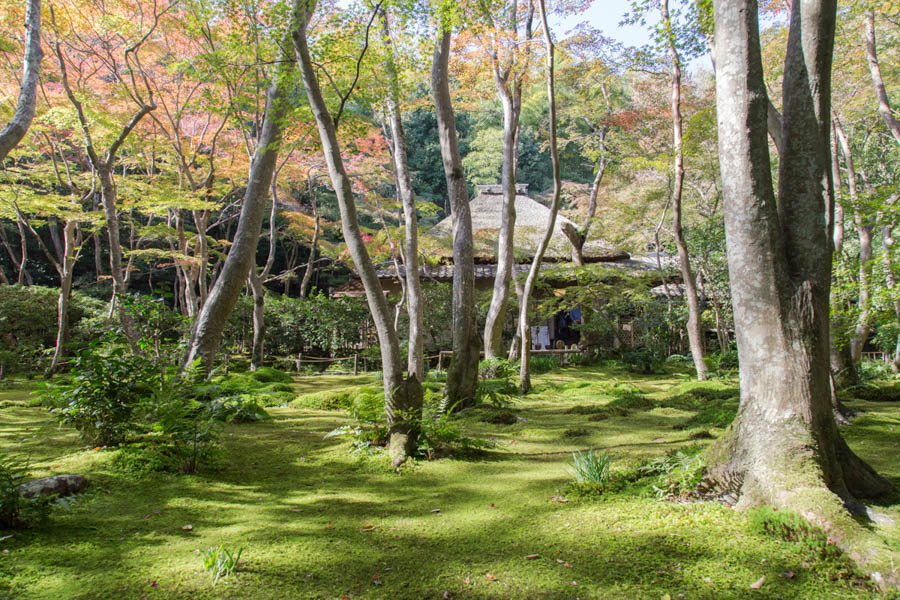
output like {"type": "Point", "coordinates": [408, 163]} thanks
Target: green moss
{"type": "Point", "coordinates": [297, 503]}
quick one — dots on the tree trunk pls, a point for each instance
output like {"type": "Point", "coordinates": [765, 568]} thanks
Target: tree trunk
{"type": "Point", "coordinates": [403, 399]}
{"type": "Point", "coordinates": [524, 321]}
{"type": "Point", "coordinates": [256, 280]}
{"type": "Point", "coordinates": [206, 334]}
{"type": "Point", "coordinates": [23, 259]}
{"type": "Point", "coordinates": [864, 233]}
{"type": "Point", "coordinates": [496, 315]}
{"type": "Point", "coordinates": [108, 200]}
{"type": "Point", "coordinates": [415, 304]}
{"type": "Point", "coordinates": [66, 268]}
{"type": "Point", "coordinates": [843, 370]}
{"type": "Point", "coordinates": [15, 130]}
{"type": "Point", "coordinates": [784, 448]}
{"type": "Point", "coordinates": [462, 374]}
{"type": "Point", "coordinates": [313, 245]}
{"type": "Point", "coordinates": [884, 104]}
{"type": "Point", "coordinates": [694, 326]}
{"type": "Point", "coordinates": [887, 241]}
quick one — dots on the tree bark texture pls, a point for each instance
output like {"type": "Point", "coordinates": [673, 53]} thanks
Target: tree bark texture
{"type": "Point", "coordinates": [524, 312]}
{"type": "Point", "coordinates": [15, 130]}
{"type": "Point", "coordinates": [403, 399]}
{"type": "Point", "coordinates": [784, 448]}
{"type": "Point", "coordinates": [206, 334]}
{"type": "Point", "coordinates": [462, 374]}
{"type": "Point", "coordinates": [694, 328]}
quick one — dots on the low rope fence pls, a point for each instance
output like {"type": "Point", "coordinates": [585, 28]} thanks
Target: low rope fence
{"type": "Point", "coordinates": [360, 363]}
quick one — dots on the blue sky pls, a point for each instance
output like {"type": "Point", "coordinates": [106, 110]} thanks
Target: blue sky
{"type": "Point", "coordinates": [606, 15]}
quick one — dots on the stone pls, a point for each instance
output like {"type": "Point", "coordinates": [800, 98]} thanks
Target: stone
{"type": "Point", "coordinates": [61, 485]}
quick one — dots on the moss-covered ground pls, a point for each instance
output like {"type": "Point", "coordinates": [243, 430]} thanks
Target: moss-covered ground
{"type": "Point", "coordinates": [316, 521]}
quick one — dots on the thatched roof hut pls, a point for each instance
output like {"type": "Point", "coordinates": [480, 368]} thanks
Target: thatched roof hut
{"type": "Point", "coordinates": [531, 223]}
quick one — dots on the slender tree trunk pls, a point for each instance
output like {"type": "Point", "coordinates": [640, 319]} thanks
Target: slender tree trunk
{"type": "Point", "coordinates": [108, 200]}
{"type": "Point", "coordinates": [864, 233]}
{"type": "Point", "coordinates": [524, 312]}
{"type": "Point", "coordinates": [66, 271]}
{"type": "Point", "coordinates": [462, 374]}
{"type": "Point", "coordinates": [257, 352]}
{"type": "Point", "coordinates": [12, 134]}
{"type": "Point", "coordinates": [207, 331]}
{"type": "Point", "coordinates": [694, 325]}
{"type": "Point", "coordinates": [887, 241]}
{"type": "Point", "coordinates": [884, 104]}
{"type": "Point", "coordinates": [415, 304]}
{"type": "Point", "coordinates": [496, 315]}
{"type": "Point", "coordinates": [313, 246]}
{"type": "Point", "coordinates": [578, 237]}
{"type": "Point", "coordinates": [843, 370]}
{"type": "Point", "coordinates": [784, 448]}
{"type": "Point", "coordinates": [403, 400]}
{"type": "Point", "coordinates": [23, 259]}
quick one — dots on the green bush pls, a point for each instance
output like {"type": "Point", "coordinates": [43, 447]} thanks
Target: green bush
{"type": "Point", "coordinates": [543, 364]}
{"type": "Point", "coordinates": [270, 375]}
{"type": "Point", "coordinates": [499, 393]}
{"type": "Point", "coordinates": [16, 511]}
{"type": "Point", "coordinates": [497, 368]}
{"type": "Point", "coordinates": [677, 473]}
{"type": "Point", "coordinates": [106, 390]}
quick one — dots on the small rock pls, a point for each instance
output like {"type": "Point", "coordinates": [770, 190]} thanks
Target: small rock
{"type": "Point", "coordinates": [60, 485]}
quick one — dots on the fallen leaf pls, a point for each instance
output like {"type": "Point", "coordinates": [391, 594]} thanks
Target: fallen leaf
{"type": "Point", "coordinates": [188, 527]}
{"type": "Point", "coordinates": [154, 585]}
{"type": "Point", "coordinates": [368, 528]}
{"type": "Point", "coordinates": [659, 440]}
{"type": "Point", "coordinates": [376, 580]}
{"type": "Point", "coordinates": [560, 561]}
{"type": "Point", "coordinates": [573, 583]}
{"type": "Point", "coordinates": [330, 526]}
{"type": "Point", "coordinates": [435, 510]}
{"type": "Point", "coordinates": [294, 509]}
{"type": "Point", "coordinates": [490, 577]}
{"type": "Point", "coordinates": [532, 556]}
{"type": "Point", "coordinates": [759, 583]}
{"type": "Point", "coordinates": [567, 565]}
{"type": "Point", "coordinates": [787, 575]}
{"type": "Point", "coordinates": [467, 581]}
{"type": "Point", "coordinates": [558, 499]}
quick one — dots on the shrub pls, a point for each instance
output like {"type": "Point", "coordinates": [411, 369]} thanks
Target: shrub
{"type": "Point", "coordinates": [189, 430]}
{"type": "Point", "coordinates": [496, 368]}
{"type": "Point", "coordinates": [105, 391]}
{"type": "Point", "coordinates": [270, 375]}
{"type": "Point", "coordinates": [677, 473]}
{"type": "Point", "coordinates": [591, 466]}
{"type": "Point", "coordinates": [499, 393]}
{"type": "Point", "coordinates": [543, 364]}
{"type": "Point", "coordinates": [16, 511]}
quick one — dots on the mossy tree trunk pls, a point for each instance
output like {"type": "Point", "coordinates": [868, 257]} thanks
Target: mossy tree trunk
{"type": "Point", "coordinates": [784, 448]}
{"type": "Point", "coordinates": [15, 130]}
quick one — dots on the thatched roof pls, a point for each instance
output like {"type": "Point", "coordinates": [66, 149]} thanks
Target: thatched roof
{"type": "Point", "coordinates": [531, 223]}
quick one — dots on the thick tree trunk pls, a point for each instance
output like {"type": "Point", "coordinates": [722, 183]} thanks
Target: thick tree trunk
{"type": "Point", "coordinates": [403, 399]}
{"type": "Point", "coordinates": [415, 304]}
{"type": "Point", "coordinates": [524, 312]}
{"type": "Point", "coordinates": [207, 331]}
{"type": "Point", "coordinates": [884, 104]}
{"type": "Point", "coordinates": [784, 448]}
{"type": "Point", "coordinates": [462, 374]}
{"type": "Point", "coordinates": [694, 328]}
{"type": "Point", "coordinates": [15, 130]}
{"type": "Point", "coordinates": [496, 315]}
